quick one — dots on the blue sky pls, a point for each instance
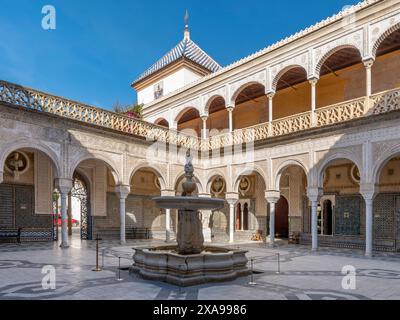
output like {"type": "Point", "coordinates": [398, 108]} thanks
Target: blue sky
{"type": "Point", "coordinates": [101, 46]}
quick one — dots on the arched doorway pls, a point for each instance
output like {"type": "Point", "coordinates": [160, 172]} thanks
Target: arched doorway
{"type": "Point", "coordinates": [282, 218]}
{"type": "Point", "coordinates": [80, 209]}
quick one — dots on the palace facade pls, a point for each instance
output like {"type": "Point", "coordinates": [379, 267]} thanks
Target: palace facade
{"type": "Point", "coordinates": [302, 139]}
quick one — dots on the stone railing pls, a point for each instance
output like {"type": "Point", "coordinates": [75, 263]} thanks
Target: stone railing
{"type": "Point", "coordinates": [39, 101]}
{"type": "Point", "coordinates": [341, 112]}
{"type": "Point", "coordinates": [295, 123]}
{"type": "Point", "coordinates": [385, 102]}
{"type": "Point", "coordinates": [35, 100]}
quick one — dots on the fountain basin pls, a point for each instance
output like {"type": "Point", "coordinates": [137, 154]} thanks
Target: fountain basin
{"type": "Point", "coordinates": [214, 264]}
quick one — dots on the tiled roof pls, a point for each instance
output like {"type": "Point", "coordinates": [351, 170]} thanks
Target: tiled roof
{"type": "Point", "coordinates": [185, 49]}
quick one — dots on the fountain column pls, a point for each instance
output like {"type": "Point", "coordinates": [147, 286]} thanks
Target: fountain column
{"type": "Point", "coordinates": [232, 199]}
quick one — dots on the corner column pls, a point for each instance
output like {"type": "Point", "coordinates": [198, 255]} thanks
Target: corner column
{"type": "Point", "coordinates": [232, 199]}
{"type": "Point", "coordinates": [368, 192]}
{"type": "Point", "coordinates": [272, 198]}
{"type": "Point", "coordinates": [64, 186]}
{"type": "Point", "coordinates": [122, 192]}
{"type": "Point", "coordinates": [314, 195]}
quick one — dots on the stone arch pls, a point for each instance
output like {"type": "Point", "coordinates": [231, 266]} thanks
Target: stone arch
{"type": "Point", "coordinates": [180, 112]}
{"type": "Point", "coordinates": [31, 144]}
{"type": "Point", "coordinates": [381, 162]}
{"type": "Point", "coordinates": [160, 121]}
{"type": "Point", "coordinates": [248, 171]}
{"type": "Point", "coordinates": [284, 166]}
{"type": "Point", "coordinates": [89, 156]}
{"type": "Point", "coordinates": [153, 169]}
{"type": "Point", "coordinates": [237, 92]}
{"type": "Point", "coordinates": [282, 72]}
{"type": "Point", "coordinates": [383, 37]}
{"type": "Point", "coordinates": [326, 161]}
{"type": "Point", "coordinates": [210, 101]}
{"type": "Point", "coordinates": [331, 52]}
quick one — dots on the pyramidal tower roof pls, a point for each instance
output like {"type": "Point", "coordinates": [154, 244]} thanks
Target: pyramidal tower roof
{"type": "Point", "coordinates": [186, 49]}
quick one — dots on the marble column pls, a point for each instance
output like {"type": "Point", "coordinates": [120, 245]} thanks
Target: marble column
{"type": "Point", "coordinates": [122, 191]}
{"type": "Point", "coordinates": [204, 131]}
{"type": "Point", "coordinates": [64, 186]}
{"type": "Point", "coordinates": [368, 68]}
{"type": "Point", "coordinates": [368, 192]}
{"type": "Point", "coordinates": [314, 195]}
{"type": "Point", "coordinates": [167, 225]}
{"type": "Point", "coordinates": [270, 111]}
{"type": "Point", "coordinates": [313, 82]}
{"type": "Point", "coordinates": [272, 198]}
{"type": "Point", "coordinates": [230, 111]}
{"type": "Point", "coordinates": [232, 199]}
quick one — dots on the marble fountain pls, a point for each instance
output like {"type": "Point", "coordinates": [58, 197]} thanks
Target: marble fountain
{"type": "Point", "coordinates": [189, 262]}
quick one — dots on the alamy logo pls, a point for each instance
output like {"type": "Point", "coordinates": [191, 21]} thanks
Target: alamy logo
{"type": "Point", "coordinates": [349, 279]}
{"type": "Point", "coordinates": [49, 280]}
{"type": "Point", "coordinates": [49, 19]}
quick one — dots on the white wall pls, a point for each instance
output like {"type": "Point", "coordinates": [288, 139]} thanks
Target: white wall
{"type": "Point", "coordinates": [172, 82]}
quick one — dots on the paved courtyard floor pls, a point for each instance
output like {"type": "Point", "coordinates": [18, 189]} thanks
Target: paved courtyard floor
{"type": "Point", "coordinates": [304, 275]}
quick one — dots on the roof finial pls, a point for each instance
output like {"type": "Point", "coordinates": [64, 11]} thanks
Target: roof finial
{"type": "Point", "coordinates": [187, 32]}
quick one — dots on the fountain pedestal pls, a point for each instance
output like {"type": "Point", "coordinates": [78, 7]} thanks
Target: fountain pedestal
{"type": "Point", "coordinates": [190, 232]}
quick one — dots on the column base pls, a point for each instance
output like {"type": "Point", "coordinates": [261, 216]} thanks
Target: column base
{"type": "Point", "coordinates": [369, 254]}
{"type": "Point", "coordinates": [122, 242]}
{"type": "Point", "coordinates": [64, 246]}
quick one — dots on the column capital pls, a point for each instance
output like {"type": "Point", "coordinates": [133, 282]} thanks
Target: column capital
{"type": "Point", "coordinates": [368, 191]}
{"type": "Point", "coordinates": [64, 185]}
{"type": "Point", "coordinates": [270, 94]}
{"type": "Point", "coordinates": [123, 191]}
{"type": "Point", "coordinates": [230, 107]}
{"type": "Point", "coordinates": [168, 193]}
{"type": "Point", "coordinates": [315, 193]}
{"type": "Point", "coordinates": [313, 80]}
{"type": "Point", "coordinates": [272, 196]}
{"type": "Point", "coordinates": [232, 198]}
{"type": "Point", "coordinates": [368, 62]}
{"type": "Point", "coordinates": [204, 116]}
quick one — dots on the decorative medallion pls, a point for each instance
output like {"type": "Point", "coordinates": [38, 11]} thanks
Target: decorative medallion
{"type": "Point", "coordinates": [17, 163]}
{"type": "Point", "coordinates": [355, 174]}
{"type": "Point", "coordinates": [244, 185]}
{"type": "Point", "coordinates": [218, 186]}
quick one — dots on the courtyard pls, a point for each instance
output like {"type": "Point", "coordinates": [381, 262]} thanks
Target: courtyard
{"type": "Point", "coordinates": [304, 275]}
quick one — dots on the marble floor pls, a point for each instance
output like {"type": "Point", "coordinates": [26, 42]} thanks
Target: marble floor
{"type": "Point", "coordinates": [303, 275]}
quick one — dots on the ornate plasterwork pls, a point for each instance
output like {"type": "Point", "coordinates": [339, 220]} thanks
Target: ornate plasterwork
{"type": "Point", "coordinates": [278, 70]}
{"type": "Point", "coordinates": [210, 96]}
{"type": "Point", "coordinates": [380, 30]}
{"type": "Point", "coordinates": [236, 87]}
{"type": "Point", "coordinates": [323, 52]}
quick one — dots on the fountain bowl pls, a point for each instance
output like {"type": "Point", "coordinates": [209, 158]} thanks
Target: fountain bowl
{"type": "Point", "coordinates": [214, 264]}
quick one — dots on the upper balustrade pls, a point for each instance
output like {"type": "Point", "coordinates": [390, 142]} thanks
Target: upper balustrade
{"type": "Point", "coordinates": [30, 99]}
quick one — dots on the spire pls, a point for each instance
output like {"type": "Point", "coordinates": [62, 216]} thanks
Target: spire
{"type": "Point", "coordinates": [187, 32]}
